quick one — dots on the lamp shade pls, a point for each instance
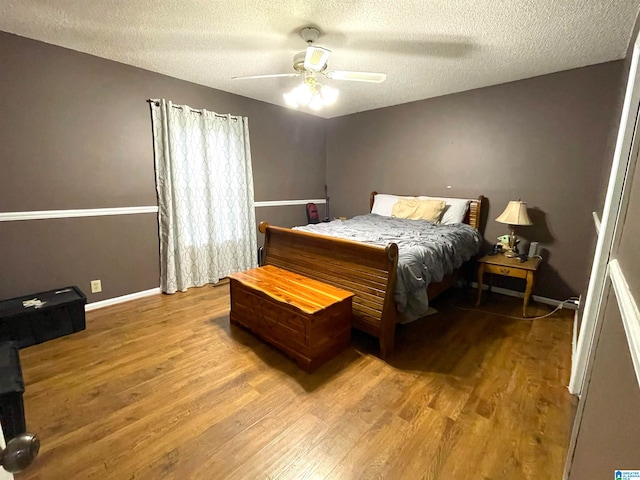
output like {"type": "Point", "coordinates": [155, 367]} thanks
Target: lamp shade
{"type": "Point", "coordinates": [515, 214]}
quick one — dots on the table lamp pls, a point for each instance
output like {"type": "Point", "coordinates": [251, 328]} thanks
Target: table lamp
{"type": "Point", "coordinates": [514, 214]}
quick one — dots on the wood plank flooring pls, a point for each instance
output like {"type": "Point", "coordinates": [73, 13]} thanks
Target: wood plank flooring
{"type": "Point", "coordinates": [164, 388]}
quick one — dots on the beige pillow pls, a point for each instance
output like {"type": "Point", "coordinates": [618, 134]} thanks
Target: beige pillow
{"type": "Point", "coordinates": [416, 209]}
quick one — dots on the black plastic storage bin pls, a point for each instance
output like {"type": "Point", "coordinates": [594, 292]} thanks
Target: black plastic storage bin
{"type": "Point", "coordinates": [60, 312]}
{"type": "Point", "coordinates": [11, 389]}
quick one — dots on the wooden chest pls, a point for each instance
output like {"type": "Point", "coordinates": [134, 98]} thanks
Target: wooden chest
{"type": "Point", "coordinates": [307, 319]}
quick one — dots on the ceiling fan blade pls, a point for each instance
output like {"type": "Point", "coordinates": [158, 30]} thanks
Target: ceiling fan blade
{"type": "Point", "coordinates": [316, 58]}
{"type": "Point", "coordinates": [275, 75]}
{"type": "Point", "coordinates": [372, 77]}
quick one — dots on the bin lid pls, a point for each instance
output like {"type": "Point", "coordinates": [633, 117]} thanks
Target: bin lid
{"type": "Point", "coordinates": [17, 306]}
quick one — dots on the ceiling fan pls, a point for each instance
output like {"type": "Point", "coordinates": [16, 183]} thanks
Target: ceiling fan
{"type": "Point", "coordinates": [313, 63]}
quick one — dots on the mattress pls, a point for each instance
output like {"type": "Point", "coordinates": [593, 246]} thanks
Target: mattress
{"type": "Point", "coordinates": [427, 251]}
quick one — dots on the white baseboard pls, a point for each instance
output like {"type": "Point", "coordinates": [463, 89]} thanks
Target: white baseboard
{"type": "Point", "coordinates": [512, 293]}
{"type": "Point", "coordinates": [156, 291]}
{"type": "Point", "coordinates": [125, 298]}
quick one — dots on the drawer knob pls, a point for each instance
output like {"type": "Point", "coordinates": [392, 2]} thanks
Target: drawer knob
{"type": "Point", "coordinates": [504, 271]}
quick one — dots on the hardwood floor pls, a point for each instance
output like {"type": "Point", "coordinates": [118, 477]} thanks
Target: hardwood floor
{"type": "Point", "coordinates": [164, 388]}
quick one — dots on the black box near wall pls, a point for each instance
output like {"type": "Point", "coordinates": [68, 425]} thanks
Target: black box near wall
{"type": "Point", "coordinates": [53, 314]}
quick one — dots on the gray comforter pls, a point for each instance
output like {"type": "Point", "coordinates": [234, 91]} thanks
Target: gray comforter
{"type": "Point", "coordinates": [427, 251]}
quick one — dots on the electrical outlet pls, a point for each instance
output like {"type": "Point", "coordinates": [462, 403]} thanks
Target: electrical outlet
{"type": "Point", "coordinates": [96, 286]}
{"type": "Point", "coordinates": [572, 303]}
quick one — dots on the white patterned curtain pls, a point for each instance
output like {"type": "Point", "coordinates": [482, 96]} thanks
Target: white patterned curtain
{"type": "Point", "coordinates": [205, 195]}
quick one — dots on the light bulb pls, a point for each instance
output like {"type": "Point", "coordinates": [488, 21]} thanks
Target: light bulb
{"type": "Point", "coordinates": [329, 95]}
{"type": "Point", "coordinates": [290, 100]}
{"type": "Point", "coordinates": [316, 102]}
{"type": "Point", "coordinates": [303, 94]}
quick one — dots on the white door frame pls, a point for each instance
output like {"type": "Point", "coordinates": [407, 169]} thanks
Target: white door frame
{"type": "Point", "coordinates": [609, 235]}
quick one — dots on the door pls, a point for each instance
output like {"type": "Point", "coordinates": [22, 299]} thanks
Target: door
{"type": "Point", "coordinates": [624, 161]}
{"type": "Point", "coordinates": [606, 275]}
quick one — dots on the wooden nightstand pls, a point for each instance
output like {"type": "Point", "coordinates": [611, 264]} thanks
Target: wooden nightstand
{"type": "Point", "coordinates": [508, 267]}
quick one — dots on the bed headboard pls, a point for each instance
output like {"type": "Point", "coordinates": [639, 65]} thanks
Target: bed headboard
{"type": "Point", "coordinates": [473, 216]}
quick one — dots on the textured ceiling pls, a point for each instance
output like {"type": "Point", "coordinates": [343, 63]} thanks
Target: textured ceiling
{"type": "Point", "coordinates": [427, 48]}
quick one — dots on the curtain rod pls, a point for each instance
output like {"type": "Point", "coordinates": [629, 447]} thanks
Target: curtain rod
{"type": "Point", "coordinates": [157, 104]}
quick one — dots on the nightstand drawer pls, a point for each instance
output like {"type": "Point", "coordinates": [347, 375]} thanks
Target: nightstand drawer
{"type": "Point", "coordinates": [507, 271]}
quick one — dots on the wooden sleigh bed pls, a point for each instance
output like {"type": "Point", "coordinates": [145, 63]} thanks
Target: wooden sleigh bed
{"type": "Point", "coordinates": [368, 271]}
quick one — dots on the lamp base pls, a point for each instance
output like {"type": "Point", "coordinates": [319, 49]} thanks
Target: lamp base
{"type": "Point", "coordinates": [512, 251]}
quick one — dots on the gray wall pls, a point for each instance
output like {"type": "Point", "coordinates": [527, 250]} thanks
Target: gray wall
{"type": "Point", "coordinates": [545, 140]}
{"type": "Point", "coordinates": [76, 133]}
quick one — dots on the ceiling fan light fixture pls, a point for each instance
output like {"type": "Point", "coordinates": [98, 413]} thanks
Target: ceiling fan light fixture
{"type": "Point", "coordinates": [312, 64]}
{"type": "Point", "coordinates": [311, 93]}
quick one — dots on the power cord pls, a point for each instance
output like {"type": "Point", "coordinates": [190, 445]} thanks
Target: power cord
{"type": "Point", "coordinates": [572, 300]}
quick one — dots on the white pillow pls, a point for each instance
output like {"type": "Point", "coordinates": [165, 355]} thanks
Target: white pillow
{"type": "Point", "coordinates": [455, 210]}
{"type": "Point", "coordinates": [383, 204]}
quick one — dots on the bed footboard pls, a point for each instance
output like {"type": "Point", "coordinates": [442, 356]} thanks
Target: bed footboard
{"type": "Point", "coordinates": [365, 270]}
